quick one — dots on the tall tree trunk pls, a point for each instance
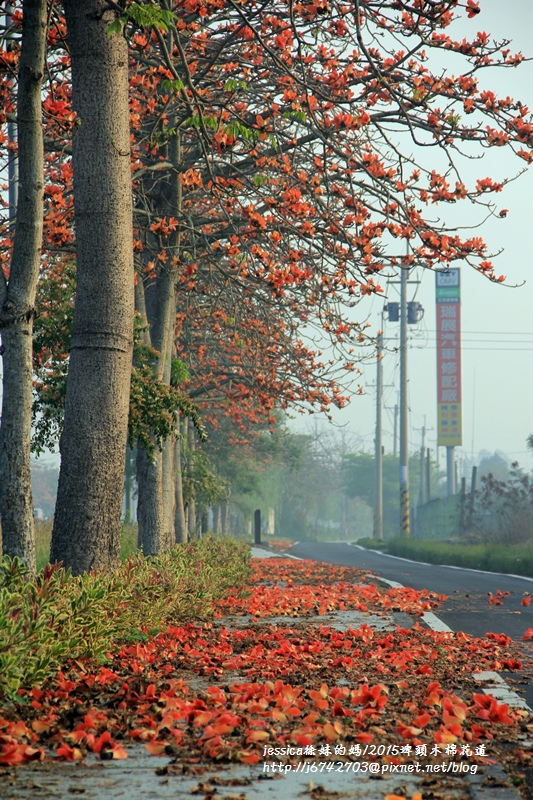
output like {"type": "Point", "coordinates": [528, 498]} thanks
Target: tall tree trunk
{"type": "Point", "coordinates": [217, 520]}
{"type": "Point", "coordinates": [17, 296]}
{"type": "Point", "coordinates": [225, 518]}
{"type": "Point", "coordinates": [156, 474]}
{"type": "Point", "coordinates": [129, 475]}
{"type": "Point", "coordinates": [155, 511]}
{"type": "Point", "coordinates": [192, 522]}
{"type": "Point", "coordinates": [180, 522]}
{"type": "Point", "coordinates": [87, 523]}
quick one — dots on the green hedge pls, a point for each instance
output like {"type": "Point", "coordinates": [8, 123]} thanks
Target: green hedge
{"type": "Point", "coordinates": [55, 617]}
{"type": "Point", "coordinates": [516, 560]}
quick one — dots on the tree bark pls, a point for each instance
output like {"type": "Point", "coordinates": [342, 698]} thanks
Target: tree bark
{"type": "Point", "coordinates": [156, 474]}
{"type": "Point", "coordinates": [225, 517]}
{"type": "Point", "coordinates": [17, 296]}
{"type": "Point", "coordinates": [87, 523]}
{"type": "Point", "coordinates": [155, 511]}
{"type": "Point", "coordinates": [180, 522]}
{"type": "Point", "coordinates": [192, 521]}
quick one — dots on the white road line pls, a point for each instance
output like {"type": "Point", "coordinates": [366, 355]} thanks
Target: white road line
{"type": "Point", "coordinates": [446, 566]}
{"type": "Point", "coordinates": [491, 682]}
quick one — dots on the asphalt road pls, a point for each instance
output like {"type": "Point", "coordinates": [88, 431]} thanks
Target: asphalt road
{"type": "Point", "coordinates": [467, 607]}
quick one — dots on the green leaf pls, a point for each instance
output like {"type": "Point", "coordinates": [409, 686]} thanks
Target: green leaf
{"type": "Point", "coordinates": [114, 27]}
{"type": "Point", "coordinates": [174, 86]}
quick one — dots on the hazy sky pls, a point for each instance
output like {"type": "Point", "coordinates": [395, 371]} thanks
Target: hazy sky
{"type": "Point", "coordinates": [497, 321]}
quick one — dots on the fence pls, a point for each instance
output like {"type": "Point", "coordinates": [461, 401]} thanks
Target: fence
{"type": "Point", "coordinates": [441, 518]}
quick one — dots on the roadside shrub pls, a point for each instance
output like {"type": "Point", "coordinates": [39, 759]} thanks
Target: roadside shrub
{"type": "Point", "coordinates": [373, 544]}
{"type": "Point", "coordinates": [55, 617]}
{"type": "Point", "coordinates": [504, 509]}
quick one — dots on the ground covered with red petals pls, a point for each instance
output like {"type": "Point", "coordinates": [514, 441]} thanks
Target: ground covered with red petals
{"type": "Point", "coordinates": [226, 691]}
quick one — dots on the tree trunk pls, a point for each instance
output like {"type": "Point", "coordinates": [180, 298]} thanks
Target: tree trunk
{"type": "Point", "coordinates": [129, 475]}
{"type": "Point", "coordinates": [180, 524]}
{"type": "Point", "coordinates": [87, 523]}
{"type": "Point", "coordinates": [156, 494]}
{"type": "Point", "coordinates": [17, 296]}
{"type": "Point", "coordinates": [225, 518]}
{"type": "Point", "coordinates": [156, 487]}
{"type": "Point", "coordinates": [192, 522]}
{"type": "Point", "coordinates": [217, 520]}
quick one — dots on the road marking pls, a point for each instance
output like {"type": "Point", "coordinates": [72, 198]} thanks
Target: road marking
{"type": "Point", "coordinates": [495, 685]}
{"type": "Point", "coordinates": [446, 566]}
{"type": "Point", "coordinates": [492, 682]}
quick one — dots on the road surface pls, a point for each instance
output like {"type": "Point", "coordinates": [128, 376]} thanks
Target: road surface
{"type": "Point", "coordinates": [467, 607]}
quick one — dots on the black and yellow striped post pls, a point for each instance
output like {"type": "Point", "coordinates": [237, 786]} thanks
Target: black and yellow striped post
{"type": "Point", "coordinates": [405, 512]}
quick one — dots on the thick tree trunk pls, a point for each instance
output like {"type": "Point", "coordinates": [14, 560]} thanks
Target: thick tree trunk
{"type": "Point", "coordinates": [17, 297]}
{"type": "Point", "coordinates": [180, 522]}
{"type": "Point", "coordinates": [87, 524]}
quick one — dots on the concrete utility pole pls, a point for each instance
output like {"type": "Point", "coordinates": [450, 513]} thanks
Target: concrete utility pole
{"type": "Point", "coordinates": [405, 522]}
{"type": "Point", "coordinates": [378, 449]}
{"type": "Point", "coordinates": [451, 478]}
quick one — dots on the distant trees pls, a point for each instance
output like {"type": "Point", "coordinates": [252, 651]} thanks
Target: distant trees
{"type": "Point", "coordinates": [503, 509]}
{"type": "Point", "coordinates": [357, 477]}
{"type": "Point", "coordinates": [494, 464]}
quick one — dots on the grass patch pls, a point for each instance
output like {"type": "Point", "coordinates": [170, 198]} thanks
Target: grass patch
{"type": "Point", "coordinates": [43, 537]}
{"type": "Point", "coordinates": [56, 617]}
{"type": "Point", "coordinates": [514, 559]}
{"type": "Point", "coordinates": [372, 544]}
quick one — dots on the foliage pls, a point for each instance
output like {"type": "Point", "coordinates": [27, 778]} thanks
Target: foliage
{"type": "Point", "coordinates": [516, 559]}
{"type": "Point", "coordinates": [372, 544]}
{"type": "Point", "coordinates": [504, 508]}
{"type": "Point", "coordinates": [154, 404]}
{"type": "Point", "coordinates": [56, 616]}
{"type": "Point", "coordinates": [495, 464]}
{"type": "Point", "coordinates": [52, 330]}
{"type": "Point", "coordinates": [201, 483]}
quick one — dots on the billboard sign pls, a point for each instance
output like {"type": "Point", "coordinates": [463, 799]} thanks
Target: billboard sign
{"type": "Point", "coordinates": [449, 415]}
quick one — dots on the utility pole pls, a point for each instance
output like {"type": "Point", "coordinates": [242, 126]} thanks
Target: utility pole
{"type": "Point", "coordinates": [378, 450]}
{"type": "Point", "coordinates": [395, 445]}
{"type": "Point", "coordinates": [428, 475]}
{"type": "Point", "coordinates": [405, 522]}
